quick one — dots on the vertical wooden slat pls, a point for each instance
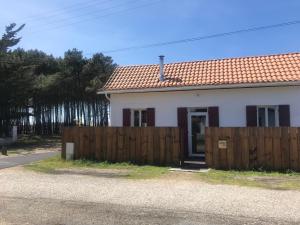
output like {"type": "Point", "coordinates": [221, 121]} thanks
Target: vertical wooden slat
{"type": "Point", "coordinates": [92, 143]}
{"type": "Point", "coordinates": [138, 148]}
{"type": "Point", "coordinates": [268, 148]}
{"type": "Point", "coordinates": [82, 143]}
{"type": "Point", "coordinates": [168, 152]}
{"type": "Point", "coordinates": [132, 145]}
{"type": "Point", "coordinates": [294, 139]}
{"type": "Point", "coordinates": [297, 151]}
{"type": "Point", "coordinates": [114, 144]}
{"type": "Point", "coordinates": [109, 144]}
{"type": "Point", "coordinates": [156, 146]}
{"type": "Point", "coordinates": [144, 145]}
{"type": "Point", "coordinates": [208, 147]}
{"type": "Point", "coordinates": [223, 152]}
{"type": "Point", "coordinates": [277, 151]}
{"type": "Point", "coordinates": [175, 146]}
{"type": "Point", "coordinates": [215, 148]}
{"type": "Point", "coordinates": [237, 149]}
{"type": "Point", "coordinates": [244, 148]}
{"type": "Point", "coordinates": [104, 144]}
{"type": "Point", "coordinates": [63, 142]}
{"type": "Point", "coordinates": [230, 151]}
{"type": "Point", "coordinates": [126, 147]}
{"type": "Point", "coordinates": [261, 147]}
{"type": "Point", "coordinates": [98, 142]}
{"type": "Point", "coordinates": [162, 145]}
{"type": "Point", "coordinates": [150, 147]}
{"type": "Point", "coordinates": [285, 147]}
{"type": "Point", "coordinates": [253, 153]}
{"type": "Point", "coordinates": [120, 146]}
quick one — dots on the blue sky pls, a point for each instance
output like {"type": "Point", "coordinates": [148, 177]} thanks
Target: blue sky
{"type": "Point", "coordinates": [102, 25]}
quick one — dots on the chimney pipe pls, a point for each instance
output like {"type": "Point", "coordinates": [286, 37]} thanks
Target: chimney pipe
{"type": "Point", "coordinates": [161, 68]}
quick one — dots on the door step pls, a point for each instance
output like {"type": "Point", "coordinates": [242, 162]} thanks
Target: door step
{"type": "Point", "coordinates": [193, 164]}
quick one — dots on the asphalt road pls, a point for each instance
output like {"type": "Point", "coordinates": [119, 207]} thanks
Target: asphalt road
{"type": "Point", "coordinates": [36, 211]}
{"type": "Point", "coordinates": [24, 159]}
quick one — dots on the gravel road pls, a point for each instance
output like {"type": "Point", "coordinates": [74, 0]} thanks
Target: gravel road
{"type": "Point", "coordinates": [35, 198]}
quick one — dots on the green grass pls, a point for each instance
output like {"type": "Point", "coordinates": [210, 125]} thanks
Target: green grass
{"type": "Point", "coordinates": [54, 164]}
{"type": "Point", "coordinates": [269, 180]}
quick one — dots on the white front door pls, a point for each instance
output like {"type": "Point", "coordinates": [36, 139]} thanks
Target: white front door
{"type": "Point", "coordinates": [197, 121]}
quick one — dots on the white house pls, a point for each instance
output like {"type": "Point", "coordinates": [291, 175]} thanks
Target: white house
{"type": "Point", "coordinates": [258, 91]}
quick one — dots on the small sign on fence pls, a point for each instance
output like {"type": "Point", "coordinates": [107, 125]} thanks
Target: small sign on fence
{"type": "Point", "coordinates": [222, 144]}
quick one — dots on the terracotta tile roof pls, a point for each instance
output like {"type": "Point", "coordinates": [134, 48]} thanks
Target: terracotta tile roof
{"type": "Point", "coordinates": [248, 70]}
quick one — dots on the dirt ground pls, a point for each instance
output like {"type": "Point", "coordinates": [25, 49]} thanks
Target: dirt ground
{"type": "Point", "coordinates": [93, 197]}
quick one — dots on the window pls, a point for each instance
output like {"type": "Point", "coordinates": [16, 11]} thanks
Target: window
{"type": "Point", "coordinates": [139, 118]}
{"type": "Point", "coordinates": [267, 116]}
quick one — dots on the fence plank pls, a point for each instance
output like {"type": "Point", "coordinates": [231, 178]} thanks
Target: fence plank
{"type": "Point", "coordinates": [252, 145]}
{"type": "Point", "coordinates": [150, 146]}
{"type": "Point", "coordinates": [237, 149]}
{"type": "Point", "coordinates": [277, 151]}
{"type": "Point", "coordinates": [223, 152]}
{"type": "Point", "coordinates": [162, 145]}
{"type": "Point", "coordinates": [268, 148]}
{"type": "Point", "coordinates": [285, 146]}
{"type": "Point", "coordinates": [175, 146]}
{"type": "Point", "coordinates": [156, 146]}
{"type": "Point", "coordinates": [208, 147]}
{"type": "Point", "coordinates": [120, 145]}
{"type": "Point", "coordinates": [138, 145]}
{"type": "Point", "coordinates": [247, 148]}
{"type": "Point", "coordinates": [298, 150]}
{"type": "Point", "coordinates": [230, 149]}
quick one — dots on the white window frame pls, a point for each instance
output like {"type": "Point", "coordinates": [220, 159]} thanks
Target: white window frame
{"type": "Point", "coordinates": [140, 116]}
{"type": "Point", "coordinates": [266, 107]}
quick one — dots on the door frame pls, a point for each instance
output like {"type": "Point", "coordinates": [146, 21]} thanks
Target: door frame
{"type": "Point", "coordinates": [190, 114]}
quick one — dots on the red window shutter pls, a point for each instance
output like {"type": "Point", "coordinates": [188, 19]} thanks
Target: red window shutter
{"type": "Point", "coordinates": [213, 116]}
{"type": "Point", "coordinates": [251, 116]}
{"type": "Point", "coordinates": [284, 115]}
{"type": "Point", "coordinates": [182, 122]}
{"type": "Point", "coordinates": [126, 118]}
{"type": "Point", "coordinates": [151, 117]}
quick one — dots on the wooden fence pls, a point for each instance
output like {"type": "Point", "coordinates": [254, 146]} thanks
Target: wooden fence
{"type": "Point", "coordinates": [147, 145]}
{"type": "Point", "coordinates": [253, 148]}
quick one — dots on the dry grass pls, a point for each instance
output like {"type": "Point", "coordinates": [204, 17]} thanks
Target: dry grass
{"type": "Point", "coordinates": [270, 180]}
{"type": "Point", "coordinates": [55, 164]}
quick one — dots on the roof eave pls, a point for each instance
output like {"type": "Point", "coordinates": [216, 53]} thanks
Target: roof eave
{"type": "Point", "coordinates": [200, 87]}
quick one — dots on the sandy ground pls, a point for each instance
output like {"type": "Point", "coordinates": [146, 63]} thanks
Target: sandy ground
{"type": "Point", "coordinates": [84, 198]}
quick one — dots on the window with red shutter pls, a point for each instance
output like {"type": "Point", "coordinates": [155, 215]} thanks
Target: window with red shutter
{"type": "Point", "coordinates": [284, 115]}
{"type": "Point", "coordinates": [151, 117]}
{"type": "Point", "coordinates": [251, 116]}
{"type": "Point", "coordinates": [182, 122]}
{"type": "Point", "coordinates": [126, 118]}
{"type": "Point", "coordinates": [213, 116]}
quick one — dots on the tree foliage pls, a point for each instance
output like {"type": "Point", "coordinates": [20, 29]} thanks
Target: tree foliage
{"type": "Point", "coordinates": [40, 92]}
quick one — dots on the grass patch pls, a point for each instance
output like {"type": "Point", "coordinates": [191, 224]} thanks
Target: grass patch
{"type": "Point", "coordinates": [28, 143]}
{"type": "Point", "coordinates": [53, 164]}
{"type": "Point", "coordinates": [270, 180]}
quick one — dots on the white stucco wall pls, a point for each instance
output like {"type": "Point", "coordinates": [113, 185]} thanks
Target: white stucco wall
{"type": "Point", "coordinates": [232, 103]}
